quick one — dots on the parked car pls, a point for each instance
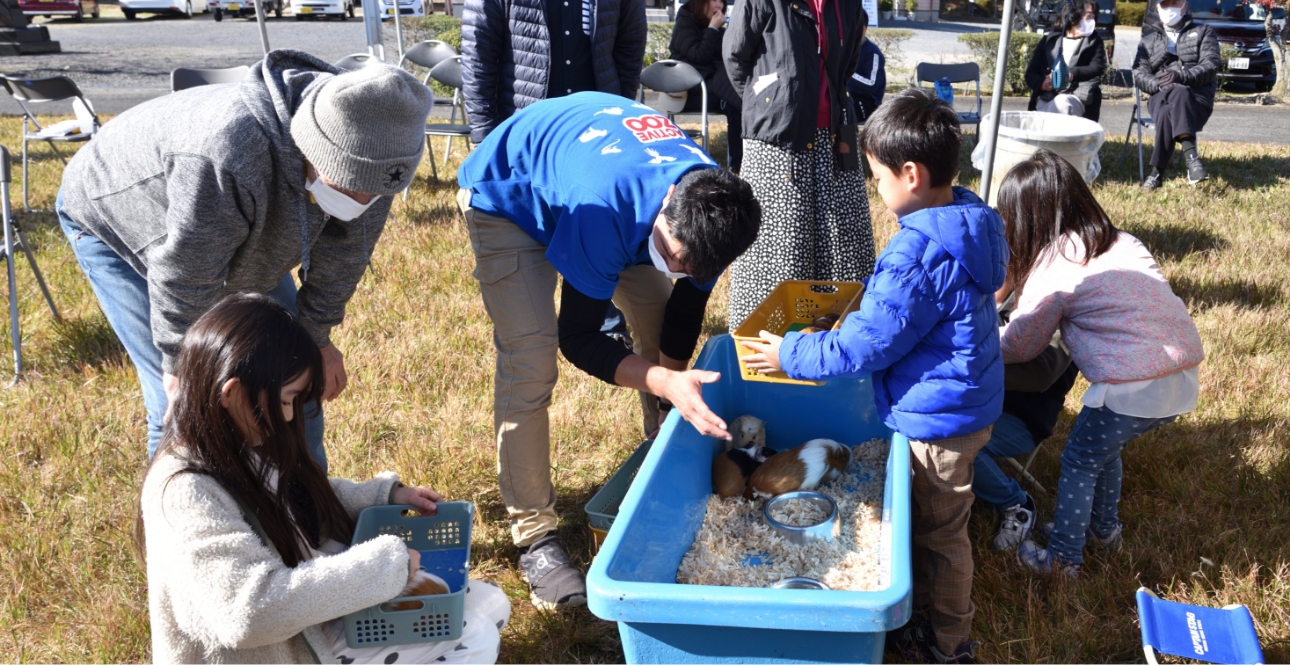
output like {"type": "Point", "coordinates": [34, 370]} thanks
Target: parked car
{"type": "Point", "coordinates": [406, 8]}
{"type": "Point", "coordinates": [303, 9]}
{"type": "Point", "coordinates": [184, 8]}
{"type": "Point", "coordinates": [242, 8]}
{"type": "Point", "coordinates": [1240, 25]}
{"type": "Point", "coordinates": [48, 8]}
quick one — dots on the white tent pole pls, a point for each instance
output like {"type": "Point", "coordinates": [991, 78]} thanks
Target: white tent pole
{"type": "Point", "coordinates": [372, 25]}
{"type": "Point", "coordinates": [991, 135]}
{"type": "Point", "coordinates": [398, 27]}
{"type": "Point", "coordinates": [264, 32]}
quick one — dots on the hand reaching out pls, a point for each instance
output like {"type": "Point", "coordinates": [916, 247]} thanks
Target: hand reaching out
{"type": "Point", "coordinates": [423, 498]}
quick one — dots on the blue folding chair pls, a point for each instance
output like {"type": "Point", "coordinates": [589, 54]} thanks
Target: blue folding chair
{"type": "Point", "coordinates": [1203, 633]}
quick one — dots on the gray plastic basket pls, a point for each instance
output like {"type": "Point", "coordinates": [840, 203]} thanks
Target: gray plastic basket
{"type": "Point", "coordinates": [444, 543]}
{"type": "Point", "coordinates": [603, 507]}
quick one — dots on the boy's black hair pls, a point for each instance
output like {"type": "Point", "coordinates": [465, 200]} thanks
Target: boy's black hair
{"type": "Point", "coordinates": [915, 126]}
{"type": "Point", "coordinates": [715, 216]}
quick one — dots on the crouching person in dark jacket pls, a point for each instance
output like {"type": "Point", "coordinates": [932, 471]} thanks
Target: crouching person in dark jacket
{"type": "Point", "coordinates": [696, 40]}
{"type": "Point", "coordinates": [1177, 65]}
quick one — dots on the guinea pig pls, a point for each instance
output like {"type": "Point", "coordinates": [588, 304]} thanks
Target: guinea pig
{"type": "Point", "coordinates": [732, 468]}
{"type": "Point", "coordinates": [746, 431]}
{"type": "Point", "coordinates": [802, 468]}
{"type": "Point", "coordinates": [422, 584]}
{"type": "Point", "coordinates": [822, 324]}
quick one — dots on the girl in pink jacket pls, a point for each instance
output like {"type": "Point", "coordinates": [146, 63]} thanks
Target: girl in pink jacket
{"type": "Point", "coordinates": [1127, 332]}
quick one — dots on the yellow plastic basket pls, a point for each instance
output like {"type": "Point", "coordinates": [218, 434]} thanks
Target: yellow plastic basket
{"type": "Point", "coordinates": [793, 305]}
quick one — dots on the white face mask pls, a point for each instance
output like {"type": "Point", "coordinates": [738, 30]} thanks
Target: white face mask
{"type": "Point", "coordinates": [1171, 16]}
{"type": "Point", "coordinates": [657, 258]}
{"type": "Point", "coordinates": [1086, 27]}
{"type": "Point", "coordinates": [336, 203]}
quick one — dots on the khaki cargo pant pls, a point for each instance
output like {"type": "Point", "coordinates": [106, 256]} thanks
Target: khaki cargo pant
{"type": "Point", "coordinates": [943, 497]}
{"type": "Point", "coordinates": [518, 285]}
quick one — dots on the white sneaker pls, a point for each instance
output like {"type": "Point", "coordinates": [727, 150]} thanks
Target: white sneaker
{"type": "Point", "coordinates": [1015, 524]}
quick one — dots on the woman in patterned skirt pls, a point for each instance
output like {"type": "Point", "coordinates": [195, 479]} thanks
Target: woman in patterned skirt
{"type": "Point", "coordinates": [790, 61]}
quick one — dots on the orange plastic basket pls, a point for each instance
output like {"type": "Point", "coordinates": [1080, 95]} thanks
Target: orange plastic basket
{"type": "Point", "coordinates": [793, 305]}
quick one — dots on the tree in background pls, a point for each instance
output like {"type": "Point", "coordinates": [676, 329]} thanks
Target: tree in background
{"type": "Point", "coordinates": [1277, 31]}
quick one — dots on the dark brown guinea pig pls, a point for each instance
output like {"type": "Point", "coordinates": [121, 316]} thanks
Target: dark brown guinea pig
{"type": "Point", "coordinates": [732, 468]}
{"type": "Point", "coordinates": [822, 324]}
{"type": "Point", "coordinates": [802, 468]}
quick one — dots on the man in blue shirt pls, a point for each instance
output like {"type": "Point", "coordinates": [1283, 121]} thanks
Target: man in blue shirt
{"type": "Point", "coordinates": [619, 201]}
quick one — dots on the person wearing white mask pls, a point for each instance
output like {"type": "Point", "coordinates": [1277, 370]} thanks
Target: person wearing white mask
{"type": "Point", "coordinates": [617, 200]}
{"type": "Point", "coordinates": [293, 166]}
{"type": "Point", "coordinates": [1074, 57]}
{"type": "Point", "coordinates": [1177, 64]}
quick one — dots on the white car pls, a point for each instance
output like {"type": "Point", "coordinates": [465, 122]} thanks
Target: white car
{"type": "Point", "coordinates": [244, 8]}
{"type": "Point", "coordinates": [318, 8]}
{"type": "Point", "coordinates": [186, 8]}
{"type": "Point", "coordinates": [407, 8]}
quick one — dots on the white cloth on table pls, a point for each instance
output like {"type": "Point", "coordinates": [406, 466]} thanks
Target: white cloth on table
{"type": "Point", "coordinates": [487, 612]}
{"type": "Point", "coordinates": [1169, 395]}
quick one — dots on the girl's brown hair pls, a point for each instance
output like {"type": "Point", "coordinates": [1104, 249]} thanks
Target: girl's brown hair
{"type": "Point", "coordinates": [1042, 200]}
{"type": "Point", "coordinates": [255, 340]}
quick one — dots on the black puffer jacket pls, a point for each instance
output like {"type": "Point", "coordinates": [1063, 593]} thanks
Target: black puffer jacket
{"type": "Point", "coordinates": [695, 43]}
{"type": "Point", "coordinates": [506, 51]}
{"type": "Point", "coordinates": [773, 61]}
{"type": "Point", "coordinates": [1197, 61]}
{"type": "Point", "coordinates": [1086, 71]}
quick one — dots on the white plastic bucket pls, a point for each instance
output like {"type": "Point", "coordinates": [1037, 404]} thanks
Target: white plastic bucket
{"type": "Point", "coordinates": [1023, 133]}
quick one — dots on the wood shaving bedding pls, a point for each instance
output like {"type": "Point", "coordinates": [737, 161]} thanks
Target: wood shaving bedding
{"type": "Point", "coordinates": [798, 512]}
{"type": "Point", "coordinates": [735, 547]}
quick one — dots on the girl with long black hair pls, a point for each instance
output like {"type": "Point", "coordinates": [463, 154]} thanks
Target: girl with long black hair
{"type": "Point", "coordinates": [244, 536]}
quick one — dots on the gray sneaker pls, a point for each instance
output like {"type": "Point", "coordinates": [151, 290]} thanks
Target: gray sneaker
{"type": "Point", "coordinates": [554, 582]}
{"type": "Point", "coordinates": [1015, 524]}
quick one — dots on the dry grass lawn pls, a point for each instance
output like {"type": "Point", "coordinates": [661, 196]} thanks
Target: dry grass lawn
{"type": "Point", "coordinates": [1206, 503]}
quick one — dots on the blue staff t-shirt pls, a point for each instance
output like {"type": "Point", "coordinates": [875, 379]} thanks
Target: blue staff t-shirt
{"type": "Point", "coordinates": [584, 175]}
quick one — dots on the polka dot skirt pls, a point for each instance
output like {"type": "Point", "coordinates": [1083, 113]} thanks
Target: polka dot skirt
{"type": "Point", "coordinates": [815, 222]}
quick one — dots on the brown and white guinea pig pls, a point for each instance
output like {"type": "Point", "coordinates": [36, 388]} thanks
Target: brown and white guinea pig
{"type": "Point", "coordinates": [422, 584]}
{"type": "Point", "coordinates": [745, 451]}
{"type": "Point", "coordinates": [802, 468]}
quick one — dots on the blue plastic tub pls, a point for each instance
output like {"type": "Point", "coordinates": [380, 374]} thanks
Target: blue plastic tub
{"type": "Point", "coordinates": [633, 579]}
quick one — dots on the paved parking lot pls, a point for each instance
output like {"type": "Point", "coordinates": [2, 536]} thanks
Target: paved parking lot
{"type": "Point", "coordinates": [121, 63]}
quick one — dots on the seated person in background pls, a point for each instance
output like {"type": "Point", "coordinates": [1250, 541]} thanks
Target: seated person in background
{"type": "Point", "coordinates": [1176, 64]}
{"type": "Point", "coordinates": [1080, 49]}
{"type": "Point", "coordinates": [1033, 398]}
{"type": "Point", "coordinates": [696, 41]}
{"type": "Point", "coordinates": [869, 83]}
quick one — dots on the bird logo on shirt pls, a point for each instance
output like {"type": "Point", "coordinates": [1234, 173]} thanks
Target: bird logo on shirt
{"type": "Point", "coordinates": [658, 159]}
{"type": "Point", "coordinates": [592, 134]}
{"type": "Point", "coordinates": [695, 149]}
{"type": "Point", "coordinates": [609, 111]}
{"type": "Point", "coordinates": [611, 148]}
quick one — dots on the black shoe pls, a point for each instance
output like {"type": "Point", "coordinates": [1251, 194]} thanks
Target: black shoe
{"type": "Point", "coordinates": [554, 582]}
{"type": "Point", "coordinates": [917, 644]}
{"type": "Point", "coordinates": [1195, 170]}
{"type": "Point", "coordinates": [1153, 181]}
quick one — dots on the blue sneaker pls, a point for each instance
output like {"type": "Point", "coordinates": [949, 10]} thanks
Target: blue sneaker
{"type": "Point", "coordinates": [1042, 562]}
{"type": "Point", "coordinates": [1113, 541]}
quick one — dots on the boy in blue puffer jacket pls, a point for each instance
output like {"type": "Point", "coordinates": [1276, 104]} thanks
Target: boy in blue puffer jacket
{"type": "Point", "coordinates": [927, 331]}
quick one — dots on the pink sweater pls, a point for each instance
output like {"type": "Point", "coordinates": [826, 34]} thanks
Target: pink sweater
{"type": "Point", "coordinates": [1117, 314]}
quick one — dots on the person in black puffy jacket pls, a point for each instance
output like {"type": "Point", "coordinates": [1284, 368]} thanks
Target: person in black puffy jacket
{"type": "Point", "coordinates": [696, 40]}
{"type": "Point", "coordinates": [1080, 48]}
{"type": "Point", "coordinates": [1177, 64]}
{"type": "Point", "coordinates": [516, 52]}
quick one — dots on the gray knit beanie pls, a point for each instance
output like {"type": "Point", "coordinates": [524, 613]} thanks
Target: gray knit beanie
{"type": "Point", "coordinates": [365, 130]}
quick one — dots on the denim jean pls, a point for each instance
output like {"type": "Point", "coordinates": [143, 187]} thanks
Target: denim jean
{"type": "Point", "coordinates": [1010, 438]}
{"type": "Point", "coordinates": [1088, 493]}
{"type": "Point", "coordinates": [123, 295]}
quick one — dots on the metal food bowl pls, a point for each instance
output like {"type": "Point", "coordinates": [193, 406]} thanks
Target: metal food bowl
{"type": "Point", "coordinates": [800, 583]}
{"type": "Point", "coordinates": [825, 531]}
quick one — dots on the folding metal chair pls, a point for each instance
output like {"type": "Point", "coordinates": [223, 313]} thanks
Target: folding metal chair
{"type": "Point", "coordinates": [448, 72]}
{"type": "Point", "coordinates": [1138, 118]}
{"type": "Point", "coordinates": [963, 72]}
{"type": "Point", "coordinates": [673, 76]}
{"type": "Point", "coordinates": [1024, 470]}
{"type": "Point", "coordinates": [13, 242]}
{"type": "Point", "coordinates": [356, 61]}
{"type": "Point", "coordinates": [1202, 633]}
{"type": "Point", "coordinates": [427, 54]}
{"type": "Point", "coordinates": [183, 78]}
{"type": "Point", "coordinates": [53, 89]}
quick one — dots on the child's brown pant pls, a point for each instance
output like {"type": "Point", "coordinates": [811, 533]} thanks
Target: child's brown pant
{"type": "Point", "coordinates": [942, 551]}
